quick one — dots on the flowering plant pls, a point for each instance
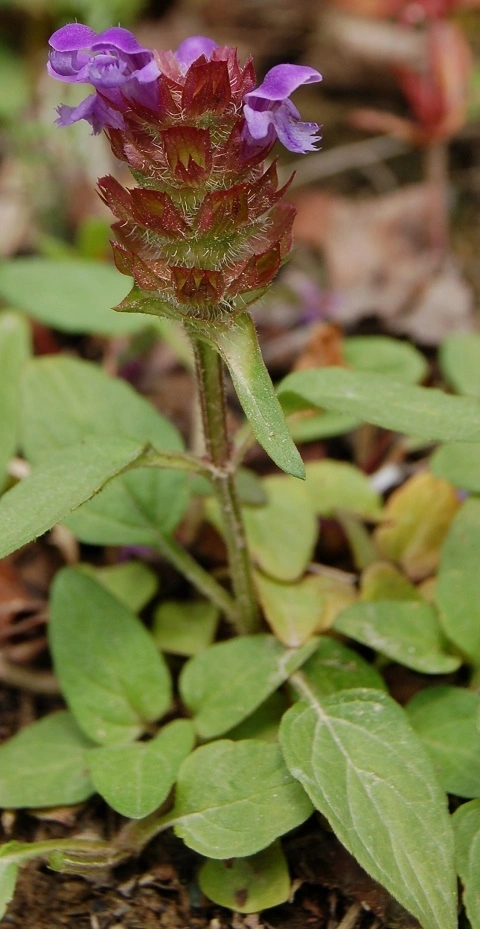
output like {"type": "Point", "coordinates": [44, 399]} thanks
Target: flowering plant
{"type": "Point", "coordinates": [289, 721]}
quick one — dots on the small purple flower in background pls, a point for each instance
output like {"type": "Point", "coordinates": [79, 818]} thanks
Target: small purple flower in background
{"type": "Point", "coordinates": [269, 112]}
{"type": "Point", "coordinates": [113, 62]}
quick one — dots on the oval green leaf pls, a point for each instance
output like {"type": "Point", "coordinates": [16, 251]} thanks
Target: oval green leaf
{"type": "Point", "coordinates": [225, 683]}
{"type": "Point", "coordinates": [136, 779]}
{"type": "Point", "coordinates": [235, 798]}
{"type": "Point", "coordinates": [367, 772]}
{"type": "Point", "coordinates": [44, 764]}
{"type": "Point", "coordinates": [110, 672]}
{"type": "Point", "coordinates": [247, 885]}
{"type": "Point", "coordinates": [407, 631]}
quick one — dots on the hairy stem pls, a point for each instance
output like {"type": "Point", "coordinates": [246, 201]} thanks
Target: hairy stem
{"type": "Point", "coordinates": [209, 370]}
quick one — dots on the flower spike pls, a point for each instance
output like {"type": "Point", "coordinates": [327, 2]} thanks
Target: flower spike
{"type": "Point", "coordinates": [204, 230]}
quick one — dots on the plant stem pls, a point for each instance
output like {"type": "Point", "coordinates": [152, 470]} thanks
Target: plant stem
{"type": "Point", "coordinates": [201, 579]}
{"type": "Point", "coordinates": [209, 370]}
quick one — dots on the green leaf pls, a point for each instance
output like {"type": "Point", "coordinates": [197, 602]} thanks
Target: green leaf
{"type": "Point", "coordinates": [133, 582]}
{"type": "Point", "coordinates": [110, 672]}
{"type": "Point", "coordinates": [334, 667]}
{"type": "Point", "coordinates": [459, 463]}
{"type": "Point", "coordinates": [66, 400]}
{"type": "Point", "coordinates": [384, 355]}
{"type": "Point", "coordinates": [235, 798]}
{"type": "Point", "coordinates": [225, 683]}
{"type": "Point", "coordinates": [44, 764]}
{"type": "Point", "coordinates": [282, 534]}
{"type": "Point", "coordinates": [264, 722]}
{"type": "Point", "coordinates": [247, 885]}
{"type": "Point", "coordinates": [72, 295]}
{"type": "Point", "coordinates": [459, 359]}
{"type": "Point", "coordinates": [185, 628]}
{"type": "Point", "coordinates": [309, 426]}
{"type": "Point", "coordinates": [458, 581]}
{"type": "Point", "coordinates": [238, 345]}
{"type": "Point", "coordinates": [136, 779]}
{"type": "Point", "coordinates": [445, 718]}
{"type": "Point", "coordinates": [373, 398]}
{"type": "Point", "coordinates": [367, 772]}
{"type": "Point", "coordinates": [14, 351]}
{"type": "Point", "coordinates": [138, 508]}
{"type": "Point", "coordinates": [336, 485]}
{"type": "Point", "coordinates": [296, 611]}
{"type": "Point", "coordinates": [407, 631]}
{"type": "Point", "coordinates": [466, 823]}
{"type": "Point", "coordinates": [58, 486]}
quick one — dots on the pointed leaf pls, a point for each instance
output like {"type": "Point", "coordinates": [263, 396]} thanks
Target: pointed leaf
{"type": "Point", "coordinates": [111, 674]}
{"type": "Point", "coordinates": [225, 683]}
{"type": "Point", "coordinates": [373, 398]}
{"type": "Point", "coordinates": [368, 773]}
{"type": "Point", "coordinates": [247, 885]}
{"type": "Point", "coordinates": [58, 486]}
{"type": "Point", "coordinates": [235, 798]}
{"type": "Point", "coordinates": [136, 779]}
{"type": "Point", "coordinates": [44, 764]}
{"type": "Point", "coordinates": [239, 348]}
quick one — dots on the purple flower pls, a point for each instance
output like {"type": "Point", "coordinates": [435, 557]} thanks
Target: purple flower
{"type": "Point", "coordinates": [113, 62]}
{"type": "Point", "coordinates": [269, 112]}
{"type": "Point", "coordinates": [190, 49]}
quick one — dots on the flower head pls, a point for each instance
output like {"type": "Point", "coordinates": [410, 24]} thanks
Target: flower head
{"type": "Point", "coordinates": [204, 230]}
{"type": "Point", "coordinates": [269, 112]}
{"type": "Point", "coordinates": [113, 62]}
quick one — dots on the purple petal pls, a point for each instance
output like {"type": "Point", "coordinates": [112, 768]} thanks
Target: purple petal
{"type": "Point", "coordinates": [95, 110]}
{"type": "Point", "coordinates": [292, 133]}
{"type": "Point", "coordinates": [121, 39]}
{"type": "Point", "coordinates": [259, 122]}
{"type": "Point", "coordinates": [282, 80]}
{"type": "Point", "coordinates": [72, 38]}
{"type": "Point", "coordinates": [191, 49]}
